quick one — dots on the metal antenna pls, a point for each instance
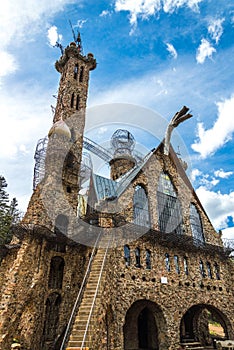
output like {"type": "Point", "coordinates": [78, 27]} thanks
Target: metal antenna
{"type": "Point", "coordinates": [57, 44]}
{"type": "Point", "coordinates": [77, 38]}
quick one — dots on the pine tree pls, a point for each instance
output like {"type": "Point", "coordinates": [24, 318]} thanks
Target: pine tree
{"type": "Point", "coordinates": [9, 214]}
{"type": "Point", "coordinates": [14, 212]}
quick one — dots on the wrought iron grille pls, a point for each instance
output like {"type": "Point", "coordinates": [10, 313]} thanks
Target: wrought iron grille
{"type": "Point", "coordinates": [196, 225]}
{"type": "Point", "coordinates": [169, 208]}
{"type": "Point", "coordinates": [140, 207]}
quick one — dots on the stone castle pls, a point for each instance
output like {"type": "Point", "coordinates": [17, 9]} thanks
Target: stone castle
{"type": "Point", "coordinates": [132, 263]}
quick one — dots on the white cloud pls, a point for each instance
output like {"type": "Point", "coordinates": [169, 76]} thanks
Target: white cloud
{"type": "Point", "coordinates": [53, 36]}
{"type": "Point", "coordinates": [228, 233]}
{"type": "Point", "coordinates": [20, 20]}
{"type": "Point", "coordinates": [22, 125]}
{"type": "Point", "coordinates": [80, 23]}
{"type": "Point", "coordinates": [146, 8]}
{"type": "Point", "coordinates": [194, 174]}
{"type": "Point", "coordinates": [172, 5]}
{"type": "Point", "coordinates": [223, 174]}
{"type": "Point", "coordinates": [212, 139]}
{"type": "Point", "coordinates": [204, 50]}
{"type": "Point", "coordinates": [217, 205]}
{"type": "Point", "coordinates": [215, 29]}
{"type": "Point", "coordinates": [104, 13]}
{"type": "Point", "coordinates": [8, 63]}
{"type": "Point", "coordinates": [171, 50]}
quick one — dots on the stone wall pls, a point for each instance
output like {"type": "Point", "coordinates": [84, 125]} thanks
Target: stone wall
{"type": "Point", "coordinates": [25, 289]}
{"type": "Point", "coordinates": [127, 285]}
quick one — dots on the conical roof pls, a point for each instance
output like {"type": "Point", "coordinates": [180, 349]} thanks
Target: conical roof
{"type": "Point", "coordinates": [60, 128]}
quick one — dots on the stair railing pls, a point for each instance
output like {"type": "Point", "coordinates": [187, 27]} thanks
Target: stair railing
{"type": "Point", "coordinates": [95, 295]}
{"type": "Point", "coordinates": [79, 296]}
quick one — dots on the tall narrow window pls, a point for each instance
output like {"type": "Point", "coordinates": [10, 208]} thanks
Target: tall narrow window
{"type": "Point", "coordinates": [51, 316]}
{"type": "Point", "coordinates": [72, 100]}
{"type": "Point", "coordinates": [176, 261]}
{"type": "Point", "coordinates": [186, 265]}
{"type": "Point", "coordinates": [77, 102]}
{"type": "Point", "coordinates": [148, 259]}
{"type": "Point", "coordinates": [196, 225]}
{"type": "Point", "coordinates": [209, 271]}
{"type": "Point", "coordinates": [56, 273]}
{"type": "Point", "coordinates": [81, 74]}
{"type": "Point", "coordinates": [127, 256]}
{"type": "Point", "coordinates": [202, 270]}
{"type": "Point", "coordinates": [76, 71]}
{"type": "Point", "coordinates": [138, 257]}
{"type": "Point", "coordinates": [140, 207]}
{"type": "Point", "coordinates": [169, 208]}
{"type": "Point", "coordinates": [167, 262]}
{"type": "Point", "coordinates": [217, 271]}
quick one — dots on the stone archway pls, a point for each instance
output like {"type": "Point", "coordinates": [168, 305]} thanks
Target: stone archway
{"type": "Point", "coordinates": [145, 327]}
{"type": "Point", "coordinates": [194, 324]}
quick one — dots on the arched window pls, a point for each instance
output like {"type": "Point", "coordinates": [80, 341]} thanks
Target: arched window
{"type": "Point", "coordinates": [196, 225]}
{"type": "Point", "coordinates": [56, 273]}
{"type": "Point", "coordinates": [140, 207]}
{"type": "Point", "coordinates": [176, 261]}
{"type": "Point", "coordinates": [169, 208]}
{"type": "Point", "coordinates": [148, 259]}
{"type": "Point", "coordinates": [72, 100]}
{"type": "Point", "coordinates": [127, 256]}
{"type": "Point", "coordinates": [202, 270]}
{"type": "Point", "coordinates": [76, 71]}
{"type": "Point", "coordinates": [51, 316]}
{"type": "Point", "coordinates": [217, 271]}
{"type": "Point", "coordinates": [209, 271]}
{"type": "Point", "coordinates": [61, 224]}
{"type": "Point", "coordinates": [81, 74]}
{"type": "Point", "coordinates": [186, 265]}
{"type": "Point", "coordinates": [167, 262]}
{"type": "Point", "coordinates": [138, 257]}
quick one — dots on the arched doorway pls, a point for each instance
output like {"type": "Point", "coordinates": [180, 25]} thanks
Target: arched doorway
{"type": "Point", "coordinates": [196, 325]}
{"type": "Point", "coordinates": [144, 326]}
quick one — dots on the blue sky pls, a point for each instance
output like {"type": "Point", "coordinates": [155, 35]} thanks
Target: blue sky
{"type": "Point", "coordinates": [156, 54]}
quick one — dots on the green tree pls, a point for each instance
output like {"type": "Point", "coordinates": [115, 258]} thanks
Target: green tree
{"type": "Point", "coordinates": [9, 213]}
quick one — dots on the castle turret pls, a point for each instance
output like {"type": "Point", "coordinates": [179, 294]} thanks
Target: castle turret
{"type": "Point", "coordinates": [58, 192]}
{"type": "Point", "coordinates": [123, 144]}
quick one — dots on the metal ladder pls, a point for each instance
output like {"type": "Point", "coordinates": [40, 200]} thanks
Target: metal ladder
{"type": "Point", "coordinates": [82, 312]}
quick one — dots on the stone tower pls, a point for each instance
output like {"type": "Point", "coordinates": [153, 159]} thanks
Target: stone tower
{"type": "Point", "coordinates": [123, 143]}
{"type": "Point", "coordinates": [58, 192]}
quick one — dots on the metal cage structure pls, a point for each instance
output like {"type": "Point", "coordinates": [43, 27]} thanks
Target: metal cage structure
{"type": "Point", "coordinates": [122, 142]}
{"type": "Point", "coordinates": [39, 156]}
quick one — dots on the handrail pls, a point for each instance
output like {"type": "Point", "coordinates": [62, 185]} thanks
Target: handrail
{"type": "Point", "coordinates": [80, 291]}
{"type": "Point", "coordinates": [95, 295]}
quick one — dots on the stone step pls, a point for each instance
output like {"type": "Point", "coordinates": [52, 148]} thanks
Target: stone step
{"type": "Point", "coordinates": [77, 348]}
{"type": "Point", "coordinates": [76, 344]}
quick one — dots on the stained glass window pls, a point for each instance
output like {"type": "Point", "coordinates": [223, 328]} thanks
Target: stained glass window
{"type": "Point", "coordinates": [148, 259]}
{"type": "Point", "coordinates": [176, 261]}
{"type": "Point", "coordinates": [185, 265]}
{"type": "Point", "coordinates": [140, 207]}
{"type": "Point", "coordinates": [138, 257]}
{"type": "Point", "coordinates": [202, 269]}
{"type": "Point", "coordinates": [217, 271]}
{"type": "Point", "coordinates": [127, 257]}
{"type": "Point", "coordinates": [196, 225]}
{"type": "Point", "coordinates": [209, 271]}
{"type": "Point", "coordinates": [169, 208]}
{"type": "Point", "coordinates": [167, 262]}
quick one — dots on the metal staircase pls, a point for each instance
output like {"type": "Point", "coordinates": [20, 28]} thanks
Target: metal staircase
{"type": "Point", "coordinates": [81, 320]}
